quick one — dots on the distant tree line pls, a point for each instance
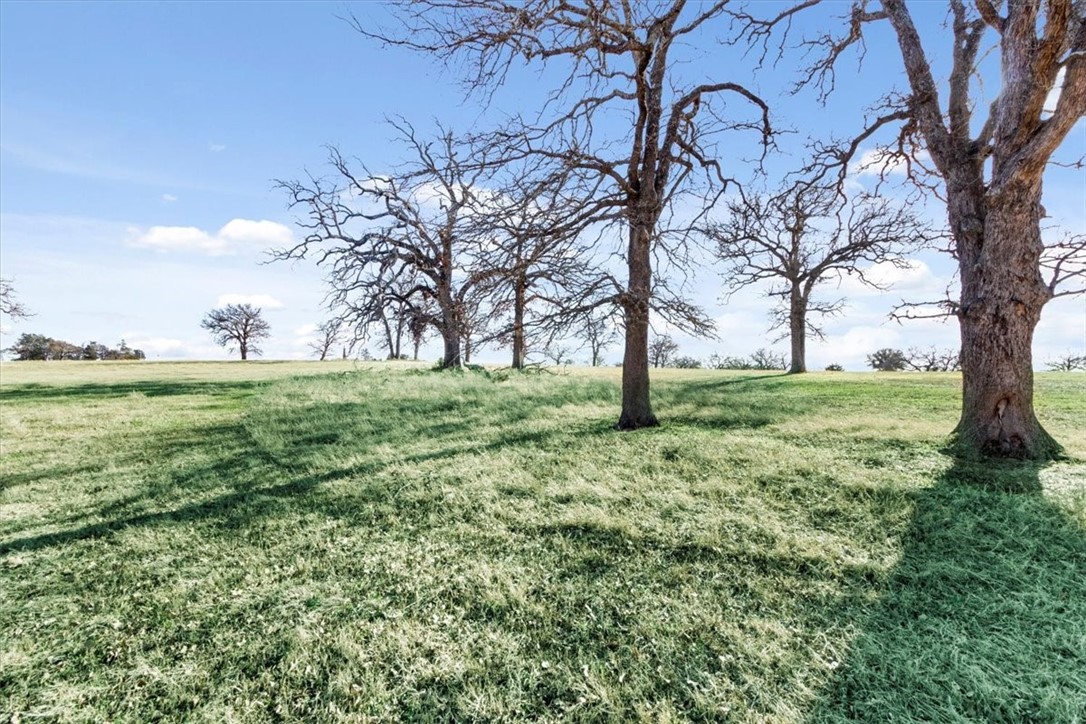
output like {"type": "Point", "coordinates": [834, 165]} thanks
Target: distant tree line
{"type": "Point", "coordinates": [42, 348]}
{"type": "Point", "coordinates": [916, 360]}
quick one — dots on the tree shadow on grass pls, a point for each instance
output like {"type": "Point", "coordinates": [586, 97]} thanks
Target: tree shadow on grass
{"type": "Point", "coordinates": [266, 471]}
{"type": "Point", "coordinates": [36, 392]}
{"type": "Point", "coordinates": [984, 618]}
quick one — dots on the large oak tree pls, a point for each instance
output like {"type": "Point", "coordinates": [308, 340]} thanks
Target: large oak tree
{"type": "Point", "coordinates": [615, 60]}
{"type": "Point", "coordinates": [397, 246]}
{"type": "Point", "coordinates": [991, 161]}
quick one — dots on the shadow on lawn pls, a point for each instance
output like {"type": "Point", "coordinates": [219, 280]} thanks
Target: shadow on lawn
{"type": "Point", "coordinates": [984, 618]}
{"type": "Point", "coordinates": [87, 392]}
{"type": "Point", "coordinates": [266, 476]}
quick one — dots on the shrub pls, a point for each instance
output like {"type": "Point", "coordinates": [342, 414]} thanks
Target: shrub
{"type": "Point", "coordinates": [888, 360]}
{"type": "Point", "coordinates": [834, 368]}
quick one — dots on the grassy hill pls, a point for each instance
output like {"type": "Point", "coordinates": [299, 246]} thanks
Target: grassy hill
{"type": "Point", "coordinates": [309, 541]}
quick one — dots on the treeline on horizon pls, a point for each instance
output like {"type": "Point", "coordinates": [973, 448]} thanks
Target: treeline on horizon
{"type": "Point", "coordinates": [41, 348]}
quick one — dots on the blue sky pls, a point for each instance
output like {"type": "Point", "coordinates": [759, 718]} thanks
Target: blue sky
{"type": "Point", "coordinates": [139, 143]}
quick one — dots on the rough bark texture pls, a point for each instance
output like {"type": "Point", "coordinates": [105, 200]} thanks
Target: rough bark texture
{"type": "Point", "coordinates": [636, 406]}
{"type": "Point", "coordinates": [797, 331]}
{"type": "Point", "coordinates": [518, 324]}
{"type": "Point", "coordinates": [451, 340]}
{"type": "Point", "coordinates": [1001, 303]}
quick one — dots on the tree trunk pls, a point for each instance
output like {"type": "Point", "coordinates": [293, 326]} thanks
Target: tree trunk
{"type": "Point", "coordinates": [244, 349]}
{"type": "Point", "coordinates": [451, 338]}
{"type": "Point", "coordinates": [636, 407]}
{"type": "Point", "coordinates": [450, 328]}
{"type": "Point", "coordinates": [797, 329]}
{"type": "Point", "coordinates": [518, 324]}
{"type": "Point", "coordinates": [1002, 297]}
{"type": "Point", "coordinates": [388, 334]}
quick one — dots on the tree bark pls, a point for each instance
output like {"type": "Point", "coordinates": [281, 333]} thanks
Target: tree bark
{"type": "Point", "coordinates": [451, 338]}
{"type": "Point", "coordinates": [518, 324]}
{"type": "Point", "coordinates": [636, 407]}
{"type": "Point", "coordinates": [244, 349]}
{"type": "Point", "coordinates": [797, 328]}
{"type": "Point", "coordinates": [1003, 294]}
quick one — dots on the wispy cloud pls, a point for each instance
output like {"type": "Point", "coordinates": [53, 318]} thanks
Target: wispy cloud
{"type": "Point", "coordinates": [85, 165]}
{"type": "Point", "coordinates": [169, 198]}
{"type": "Point", "coordinates": [264, 301]}
{"type": "Point", "coordinates": [216, 147]}
{"type": "Point", "coordinates": [236, 236]}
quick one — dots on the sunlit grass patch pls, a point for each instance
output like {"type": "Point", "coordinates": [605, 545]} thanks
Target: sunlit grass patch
{"type": "Point", "coordinates": [392, 544]}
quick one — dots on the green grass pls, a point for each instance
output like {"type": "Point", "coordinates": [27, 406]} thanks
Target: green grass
{"type": "Point", "coordinates": [301, 542]}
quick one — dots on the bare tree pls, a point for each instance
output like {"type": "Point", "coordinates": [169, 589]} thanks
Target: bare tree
{"type": "Point", "coordinates": [545, 276]}
{"type": "Point", "coordinates": [1069, 362]}
{"type": "Point", "coordinates": [803, 237]}
{"type": "Point", "coordinates": [618, 60]}
{"type": "Point", "coordinates": [991, 170]}
{"type": "Point", "coordinates": [598, 332]}
{"type": "Point", "coordinates": [661, 350]}
{"type": "Point", "coordinates": [9, 305]}
{"type": "Point", "coordinates": [933, 359]}
{"type": "Point", "coordinates": [237, 326]}
{"type": "Point", "coordinates": [402, 239]}
{"type": "Point", "coordinates": [328, 335]}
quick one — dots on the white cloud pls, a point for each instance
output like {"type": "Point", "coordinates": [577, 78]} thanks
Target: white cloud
{"type": "Point", "coordinates": [178, 238]}
{"type": "Point", "coordinates": [305, 330]}
{"type": "Point", "coordinates": [916, 277]}
{"type": "Point", "coordinates": [169, 198]}
{"type": "Point", "coordinates": [237, 235]}
{"type": "Point", "coordinates": [255, 233]}
{"type": "Point", "coordinates": [264, 301]}
{"type": "Point", "coordinates": [216, 147]}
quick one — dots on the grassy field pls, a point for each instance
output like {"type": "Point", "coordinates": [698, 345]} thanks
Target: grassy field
{"type": "Point", "coordinates": [327, 542]}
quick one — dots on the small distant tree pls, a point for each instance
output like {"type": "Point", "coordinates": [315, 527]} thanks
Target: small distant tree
{"type": "Point", "coordinates": [933, 359]}
{"type": "Point", "coordinates": [597, 330]}
{"type": "Point", "coordinates": [328, 334]}
{"type": "Point", "coordinates": [765, 359]}
{"type": "Point", "coordinates": [834, 367]}
{"type": "Point", "coordinates": [238, 326]}
{"type": "Point", "coordinates": [804, 236]}
{"type": "Point", "coordinates": [661, 350]}
{"type": "Point", "coordinates": [686, 363]}
{"type": "Point", "coordinates": [1067, 363]}
{"type": "Point", "coordinates": [888, 360]}
{"type": "Point", "coordinates": [559, 354]}
{"type": "Point", "coordinates": [730, 362]}
{"type": "Point", "coordinates": [9, 305]}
